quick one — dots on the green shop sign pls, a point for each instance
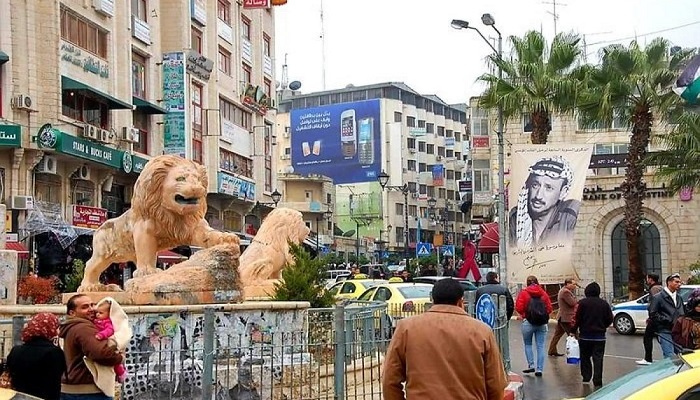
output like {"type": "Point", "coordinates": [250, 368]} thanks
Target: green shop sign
{"type": "Point", "coordinates": [50, 138]}
{"type": "Point", "coordinates": [10, 136]}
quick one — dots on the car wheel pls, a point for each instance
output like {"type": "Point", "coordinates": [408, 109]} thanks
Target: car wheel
{"type": "Point", "coordinates": [624, 324]}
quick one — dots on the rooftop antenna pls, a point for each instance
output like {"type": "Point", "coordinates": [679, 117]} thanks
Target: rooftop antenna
{"type": "Point", "coordinates": [285, 73]}
{"type": "Point", "coordinates": [323, 51]}
{"type": "Point", "coordinates": [585, 43]}
{"type": "Point", "coordinates": [554, 14]}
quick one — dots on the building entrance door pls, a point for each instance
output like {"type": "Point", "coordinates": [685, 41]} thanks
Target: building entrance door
{"type": "Point", "coordinates": [650, 254]}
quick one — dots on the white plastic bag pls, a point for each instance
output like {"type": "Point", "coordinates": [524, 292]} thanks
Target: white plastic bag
{"type": "Point", "coordinates": [573, 354]}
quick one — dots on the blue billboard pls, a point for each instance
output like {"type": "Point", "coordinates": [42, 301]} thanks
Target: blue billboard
{"type": "Point", "coordinates": [340, 141]}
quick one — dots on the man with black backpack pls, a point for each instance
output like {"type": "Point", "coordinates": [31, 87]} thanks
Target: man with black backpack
{"type": "Point", "coordinates": [534, 306]}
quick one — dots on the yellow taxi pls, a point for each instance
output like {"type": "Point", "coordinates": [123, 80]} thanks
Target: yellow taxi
{"type": "Point", "coordinates": [676, 378]}
{"type": "Point", "coordinates": [353, 288]}
{"type": "Point", "coordinates": [403, 299]}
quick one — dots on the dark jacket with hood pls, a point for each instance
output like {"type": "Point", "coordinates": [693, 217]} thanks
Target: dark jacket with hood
{"type": "Point", "coordinates": [526, 294]}
{"type": "Point", "coordinates": [496, 288]}
{"type": "Point", "coordinates": [663, 312]}
{"type": "Point", "coordinates": [79, 341]}
{"type": "Point", "coordinates": [37, 358]}
{"type": "Point", "coordinates": [592, 315]}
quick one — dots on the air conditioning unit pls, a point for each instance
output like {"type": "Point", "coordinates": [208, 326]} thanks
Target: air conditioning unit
{"type": "Point", "coordinates": [438, 158]}
{"type": "Point", "coordinates": [47, 165]}
{"type": "Point", "coordinates": [22, 203]}
{"type": "Point", "coordinates": [412, 150]}
{"type": "Point", "coordinates": [22, 102]}
{"type": "Point", "coordinates": [83, 173]}
{"type": "Point", "coordinates": [285, 157]}
{"type": "Point", "coordinates": [103, 7]}
{"type": "Point", "coordinates": [103, 136]}
{"type": "Point", "coordinates": [131, 135]}
{"type": "Point", "coordinates": [415, 195]}
{"type": "Point", "coordinates": [90, 131]}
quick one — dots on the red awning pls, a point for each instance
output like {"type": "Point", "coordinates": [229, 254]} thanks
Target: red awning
{"type": "Point", "coordinates": [489, 238]}
{"type": "Point", "coordinates": [19, 247]}
{"type": "Point", "coordinates": [170, 257]}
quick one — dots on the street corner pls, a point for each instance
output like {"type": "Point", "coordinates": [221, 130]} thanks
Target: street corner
{"type": "Point", "coordinates": [514, 390]}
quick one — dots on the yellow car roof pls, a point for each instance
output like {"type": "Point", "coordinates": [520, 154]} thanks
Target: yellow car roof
{"type": "Point", "coordinates": [408, 284]}
{"type": "Point", "coordinates": [693, 359]}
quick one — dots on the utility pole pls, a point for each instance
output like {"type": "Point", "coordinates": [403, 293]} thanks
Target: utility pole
{"type": "Point", "coordinates": [323, 50]}
{"type": "Point", "coordinates": [554, 14]}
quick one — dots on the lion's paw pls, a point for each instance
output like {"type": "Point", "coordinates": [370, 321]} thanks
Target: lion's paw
{"type": "Point", "coordinates": [98, 287]}
{"type": "Point", "coordinates": [145, 272]}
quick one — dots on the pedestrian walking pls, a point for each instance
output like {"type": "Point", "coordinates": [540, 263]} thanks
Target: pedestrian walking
{"type": "Point", "coordinates": [664, 309]}
{"type": "Point", "coordinates": [464, 363]}
{"type": "Point", "coordinates": [686, 330]}
{"type": "Point", "coordinates": [650, 331]}
{"type": "Point", "coordinates": [567, 301]}
{"type": "Point", "coordinates": [534, 306]}
{"type": "Point", "coordinates": [79, 341]}
{"type": "Point", "coordinates": [591, 319]}
{"type": "Point", "coordinates": [38, 357]}
{"type": "Point", "coordinates": [493, 286]}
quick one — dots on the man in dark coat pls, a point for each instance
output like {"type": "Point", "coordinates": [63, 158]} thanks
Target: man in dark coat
{"type": "Point", "coordinates": [592, 317]}
{"type": "Point", "coordinates": [493, 286]}
{"type": "Point", "coordinates": [664, 310]}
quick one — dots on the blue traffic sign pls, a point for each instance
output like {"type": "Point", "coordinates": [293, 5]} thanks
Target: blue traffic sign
{"type": "Point", "coordinates": [485, 310]}
{"type": "Point", "coordinates": [422, 249]}
{"type": "Point", "coordinates": [448, 250]}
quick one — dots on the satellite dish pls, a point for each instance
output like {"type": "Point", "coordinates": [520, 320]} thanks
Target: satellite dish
{"type": "Point", "coordinates": [289, 170]}
{"type": "Point", "coordinates": [278, 84]}
{"type": "Point", "coordinates": [349, 233]}
{"type": "Point", "coordinates": [350, 85]}
{"type": "Point", "coordinates": [295, 85]}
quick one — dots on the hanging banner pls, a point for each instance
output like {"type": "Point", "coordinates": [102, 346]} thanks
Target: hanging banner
{"type": "Point", "coordinates": [438, 175]}
{"type": "Point", "coordinates": [548, 183]}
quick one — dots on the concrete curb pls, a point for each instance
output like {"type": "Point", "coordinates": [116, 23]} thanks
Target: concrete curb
{"type": "Point", "coordinates": [514, 390]}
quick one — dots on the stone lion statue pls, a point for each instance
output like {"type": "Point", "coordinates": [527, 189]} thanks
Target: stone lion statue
{"type": "Point", "coordinates": [167, 210]}
{"type": "Point", "coordinates": [268, 253]}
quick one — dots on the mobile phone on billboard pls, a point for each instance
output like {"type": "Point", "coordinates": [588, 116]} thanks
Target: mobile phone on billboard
{"type": "Point", "coordinates": [365, 142]}
{"type": "Point", "coordinates": [348, 133]}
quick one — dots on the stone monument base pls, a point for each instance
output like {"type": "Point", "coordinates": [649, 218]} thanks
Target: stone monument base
{"type": "Point", "coordinates": [165, 298]}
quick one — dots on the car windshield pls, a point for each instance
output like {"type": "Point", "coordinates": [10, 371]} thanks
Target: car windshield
{"type": "Point", "coordinates": [371, 284]}
{"type": "Point", "coordinates": [636, 380]}
{"type": "Point", "coordinates": [415, 292]}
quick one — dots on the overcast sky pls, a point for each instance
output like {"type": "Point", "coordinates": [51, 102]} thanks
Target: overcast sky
{"type": "Point", "coordinates": [373, 41]}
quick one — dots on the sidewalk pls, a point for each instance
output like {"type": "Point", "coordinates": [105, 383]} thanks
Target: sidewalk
{"type": "Point", "coordinates": [514, 390]}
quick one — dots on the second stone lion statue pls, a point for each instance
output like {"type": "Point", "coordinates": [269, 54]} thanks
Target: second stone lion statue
{"type": "Point", "coordinates": [167, 210]}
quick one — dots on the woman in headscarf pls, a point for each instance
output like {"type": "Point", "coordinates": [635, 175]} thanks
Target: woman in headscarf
{"type": "Point", "coordinates": [38, 358]}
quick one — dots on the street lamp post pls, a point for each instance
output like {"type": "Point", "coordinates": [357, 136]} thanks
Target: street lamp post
{"type": "Point", "coordinates": [383, 179]}
{"type": "Point", "coordinates": [441, 218]}
{"type": "Point", "coordinates": [276, 197]}
{"type": "Point", "coordinates": [328, 214]}
{"type": "Point", "coordinates": [488, 20]}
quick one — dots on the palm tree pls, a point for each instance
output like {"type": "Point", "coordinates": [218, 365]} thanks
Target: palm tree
{"type": "Point", "coordinates": [633, 84]}
{"type": "Point", "coordinates": [679, 164]}
{"type": "Point", "coordinates": [537, 80]}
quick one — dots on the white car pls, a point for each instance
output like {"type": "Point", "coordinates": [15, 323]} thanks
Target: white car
{"type": "Point", "coordinates": [632, 315]}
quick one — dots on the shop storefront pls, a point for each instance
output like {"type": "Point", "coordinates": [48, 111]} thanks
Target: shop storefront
{"type": "Point", "coordinates": [233, 198]}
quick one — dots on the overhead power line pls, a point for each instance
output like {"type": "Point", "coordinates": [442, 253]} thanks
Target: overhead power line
{"type": "Point", "coordinates": [646, 34]}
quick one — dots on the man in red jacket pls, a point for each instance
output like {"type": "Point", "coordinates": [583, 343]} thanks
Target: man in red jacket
{"type": "Point", "coordinates": [79, 341]}
{"type": "Point", "coordinates": [532, 327]}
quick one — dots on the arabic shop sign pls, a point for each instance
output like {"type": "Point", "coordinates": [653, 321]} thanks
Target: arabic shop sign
{"type": "Point", "coordinates": [88, 217]}
{"type": "Point", "coordinates": [74, 55]}
{"type": "Point", "coordinates": [10, 135]}
{"type": "Point", "coordinates": [598, 193]}
{"type": "Point", "coordinates": [199, 66]}
{"type": "Point", "coordinates": [139, 163]}
{"type": "Point", "coordinates": [255, 99]}
{"type": "Point", "coordinates": [50, 138]}
{"type": "Point", "coordinates": [233, 186]}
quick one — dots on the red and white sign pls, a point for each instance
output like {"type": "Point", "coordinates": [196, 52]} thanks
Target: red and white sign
{"type": "Point", "coordinates": [88, 217]}
{"type": "Point", "coordinates": [480, 142]}
{"type": "Point", "coordinates": [256, 3]}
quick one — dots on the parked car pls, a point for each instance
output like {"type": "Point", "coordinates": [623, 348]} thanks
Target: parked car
{"type": "Point", "coordinates": [632, 315]}
{"type": "Point", "coordinates": [670, 378]}
{"type": "Point", "coordinates": [9, 394]}
{"type": "Point", "coordinates": [403, 299]}
{"type": "Point", "coordinates": [466, 284]}
{"type": "Point", "coordinates": [333, 274]}
{"type": "Point", "coordinates": [353, 288]}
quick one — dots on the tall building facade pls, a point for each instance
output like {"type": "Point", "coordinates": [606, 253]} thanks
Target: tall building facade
{"type": "Point", "coordinates": [353, 134]}
{"type": "Point", "coordinates": [670, 237]}
{"type": "Point", "coordinates": [91, 90]}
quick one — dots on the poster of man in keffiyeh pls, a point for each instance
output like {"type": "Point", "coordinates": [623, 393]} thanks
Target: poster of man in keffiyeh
{"type": "Point", "coordinates": [546, 188]}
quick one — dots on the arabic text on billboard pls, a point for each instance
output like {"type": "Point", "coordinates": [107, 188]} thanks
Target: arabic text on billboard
{"type": "Point", "coordinates": [341, 141]}
{"type": "Point", "coordinates": [174, 102]}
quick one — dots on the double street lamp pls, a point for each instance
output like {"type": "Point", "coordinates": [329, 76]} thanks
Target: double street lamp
{"type": "Point", "coordinates": [443, 217]}
{"type": "Point", "coordinates": [488, 20]}
{"type": "Point", "coordinates": [328, 214]}
{"type": "Point", "coordinates": [383, 179]}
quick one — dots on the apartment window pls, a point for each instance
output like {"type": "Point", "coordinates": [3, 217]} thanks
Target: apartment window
{"type": "Point", "coordinates": [398, 208]}
{"type": "Point", "coordinates": [441, 151]}
{"type": "Point", "coordinates": [412, 165]}
{"type": "Point", "coordinates": [142, 121]}
{"type": "Point", "coordinates": [458, 136]}
{"type": "Point", "coordinates": [245, 28]}
{"type": "Point", "coordinates": [412, 211]}
{"type": "Point", "coordinates": [400, 236]}
{"type": "Point", "coordinates": [482, 173]}
{"type": "Point", "coordinates": [247, 74]}
{"type": "Point", "coordinates": [268, 88]}
{"type": "Point", "coordinates": [235, 163]}
{"type": "Point", "coordinates": [449, 153]}
{"type": "Point", "coordinates": [138, 75]}
{"type": "Point", "coordinates": [196, 40]}
{"type": "Point", "coordinates": [423, 189]}
{"type": "Point", "coordinates": [85, 108]}
{"type": "Point", "coordinates": [421, 147]}
{"type": "Point", "coordinates": [441, 131]}
{"type": "Point", "coordinates": [411, 143]}
{"type": "Point", "coordinates": [449, 174]}
{"type": "Point", "coordinates": [430, 148]}
{"type": "Point", "coordinates": [611, 148]}
{"type": "Point", "coordinates": [197, 122]}
{"type": "Point", "coordinates": [458, 175]}
{"type": "Point", "coordinates": [139, 9]}
{"type": "Point", "coordinates": [421, 123]}
{"type": "Point", "coordinates": [238, 116]}
{"type": "Point", "coordinates": [450, 194]}
{"type": "Point", "coordinates": [422, 167]}
{"type": "Point", "coordinates": [617, 123]}
{"type": "Point", "coordinates": [224, 61]}
{"type": "Point", "coordinates": [480, 122]}
{"type": "Point", "coordinates": [431, 191]}
{"type": "Point", "coordinates": [411, 122]}
{"type": "Point", "coordinates": [448, 132]}
{"type": "Point", "coordinates": [267, 48]}
{"type": "Point", "coordinates": [83, 33]}
{"type": "Point", "coordinates": [442, 193]}
{"type": "Point", "coordinates": [430, 128]}
{"type": "Point", "coordinates": [398, 117]}
{"type": "Point", "coordinates": [223, 11]}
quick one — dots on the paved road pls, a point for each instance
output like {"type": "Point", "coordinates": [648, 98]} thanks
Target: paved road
{"type": "Point", "coordinates": [561, 380]}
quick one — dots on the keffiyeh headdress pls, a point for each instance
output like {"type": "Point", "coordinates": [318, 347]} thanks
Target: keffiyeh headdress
{"type": "Point", "coordinates": [556, 167]}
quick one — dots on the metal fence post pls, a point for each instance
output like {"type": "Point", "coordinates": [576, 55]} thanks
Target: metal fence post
{"type": "Point", "coordinates": [17, 325]}
{"type": "Point", "coordinates": [339, 361]}
{"type": "Point", "coordinates": [503, 331]}
{"type": "Point", "coordinates": [208, 359]}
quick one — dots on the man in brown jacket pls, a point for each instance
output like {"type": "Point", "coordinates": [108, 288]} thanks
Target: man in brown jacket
{"type": "Point", "coordinates": [567, 303]}
{"type": "Point", "coordinates": [444, 354]}
{"type": "Point", "coordinates": [78, 334]}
